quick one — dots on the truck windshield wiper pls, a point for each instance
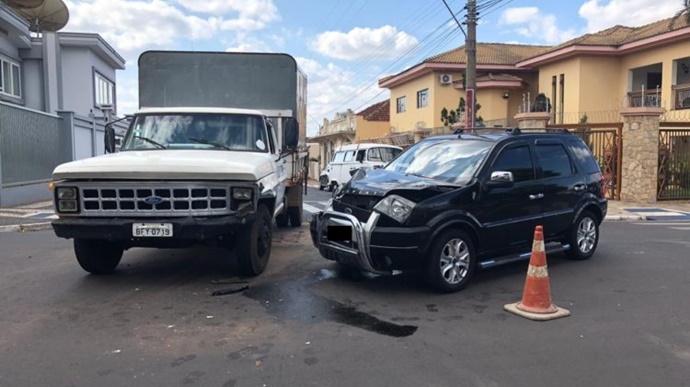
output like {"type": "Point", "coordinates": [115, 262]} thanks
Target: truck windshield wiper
{"type": "Point", "coordinates": [202, 141]}
{"type": "Point", "coordinates": [151, 141]}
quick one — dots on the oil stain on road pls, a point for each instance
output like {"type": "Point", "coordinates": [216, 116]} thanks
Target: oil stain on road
{"type": "Point", "coordinates": [293, 300]}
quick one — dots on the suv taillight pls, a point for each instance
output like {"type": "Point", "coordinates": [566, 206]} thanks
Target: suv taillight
{"type": "Point", "coordinates": [602, 183]}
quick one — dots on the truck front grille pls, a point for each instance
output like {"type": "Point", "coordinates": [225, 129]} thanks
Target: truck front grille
{"type": "Point", "coordinates": [157, 199]}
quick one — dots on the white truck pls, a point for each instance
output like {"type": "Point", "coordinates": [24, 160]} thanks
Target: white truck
{"type": "Point", "coordinates": [216, 151]}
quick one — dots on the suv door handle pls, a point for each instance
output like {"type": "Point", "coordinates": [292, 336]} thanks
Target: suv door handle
{"type": "Point", "coordinates": [537, 196]}
{"type": "Point", "coordinates": [579, 187]}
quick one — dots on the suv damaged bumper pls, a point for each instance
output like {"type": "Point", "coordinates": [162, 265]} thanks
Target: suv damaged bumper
{"type": "Point", "coordinates": [378, 250]}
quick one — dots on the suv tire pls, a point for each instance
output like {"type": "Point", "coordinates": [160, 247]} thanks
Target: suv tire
{"type": "Point", "coordinates": [583, 237]}
{"type": "Point", "coordinates": [254, 244]}
{"type": "Point", "coordinates": [98, 256]}
{"type": "Point", "coordinates": [451, 261]}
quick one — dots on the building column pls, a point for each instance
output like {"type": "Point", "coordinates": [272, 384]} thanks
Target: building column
{"type": "Point", "coordinates": [51, 71]}
{"type": "Point", "coordinates": [640, 162]}
{"type": "Point", "coordinates": [535, 120]}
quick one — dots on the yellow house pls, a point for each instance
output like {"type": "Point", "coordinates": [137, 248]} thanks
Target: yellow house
{"type": "Point", "coordinates": [587, 79]}
{"type": "Point", "coordinates": [418, 94]}
{"type": "Point", "coordinates": [598, 74]}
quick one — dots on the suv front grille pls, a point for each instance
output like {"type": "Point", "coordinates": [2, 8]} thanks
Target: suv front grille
{"type": "Point", "coordinates": [358, 205]}
{"type": "Point", "coordinates": [154, 199]}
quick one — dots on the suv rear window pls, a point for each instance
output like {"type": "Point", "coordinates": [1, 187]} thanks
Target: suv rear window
{"type": "Point", "coordinates": [583, 157]}
{"type": "Point", "coordinates": [554, 160]}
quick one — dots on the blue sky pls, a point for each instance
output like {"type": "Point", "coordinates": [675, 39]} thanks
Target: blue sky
{"type": "Point", "coordinates": [343, 46]}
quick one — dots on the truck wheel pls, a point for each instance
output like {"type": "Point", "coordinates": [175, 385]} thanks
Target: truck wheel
{"type": "Point", "coordinates": [282, 220]}
{"type": "Point", "coordinates": [295, 214]}
{"type": "Point", "coordinates": [97, 256]}
{"type": "Point", "coordinates": [254, 244]}
{"type": "Point", "coordinates": [451, 261]}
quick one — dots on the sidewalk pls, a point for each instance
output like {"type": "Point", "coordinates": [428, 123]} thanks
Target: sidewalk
{"type": "Point", "coordinates": [37, 216]}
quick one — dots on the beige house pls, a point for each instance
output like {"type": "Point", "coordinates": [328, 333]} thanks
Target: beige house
{"type": "Point", "coordinates": [589, 78]}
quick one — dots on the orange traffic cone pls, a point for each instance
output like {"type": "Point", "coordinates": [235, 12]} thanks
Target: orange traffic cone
{"type": "Point", "coordinates": [536, 297]}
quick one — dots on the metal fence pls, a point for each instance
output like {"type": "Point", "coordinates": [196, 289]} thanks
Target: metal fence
{"type": "Point", "coordinates": [674, 164]}
{"type": "Point", "coordinates": [605, 142]}
{"type": "Point", "coordinates": [31, 145]}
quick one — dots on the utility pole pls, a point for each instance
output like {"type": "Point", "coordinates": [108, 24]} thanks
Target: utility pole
{"type": "Point", "coordinates": [471, 68]}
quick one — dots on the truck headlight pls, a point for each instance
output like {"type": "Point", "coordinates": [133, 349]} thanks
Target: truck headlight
{"type": "Point", "coordinates": [67, 199]}
{"type": "Point", "coordinates": [396, 207]}
{"type": "Point", "coordinates": [67, 205]}
{"type": "Point", "coordinates": [242, 193]}
{"type": "Point", "coordinates": [66, 193]}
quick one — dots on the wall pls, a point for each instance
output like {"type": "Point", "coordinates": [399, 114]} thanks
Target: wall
{"type": "Point", "coordinates": [493, 105]}
{"type": "Point", "coordinates": [408, 120]}
{"type": "Point", "coordinates": [599, 87]}
{"type": "Point", "coordinates": [370, 129]}
{"type": "Point", "coordinates": [571, 69]}
{"type": "Point", "coordinates": [32, 84]}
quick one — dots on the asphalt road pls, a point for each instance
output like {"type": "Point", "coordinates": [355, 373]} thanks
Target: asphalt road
{"type": "Point", "coordinates": [155, 322]}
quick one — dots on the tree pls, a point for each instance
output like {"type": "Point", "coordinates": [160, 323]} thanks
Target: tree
{"type": "Point", "coordinates": [453, 116]}
{"type": "Point", "coordinates": [685, 11]}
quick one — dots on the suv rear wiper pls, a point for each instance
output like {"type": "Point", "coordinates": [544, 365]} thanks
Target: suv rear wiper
{"type": "Point", "coordinates": [202, 141]}
{"type": "Point", "coordinates": [151, 142]}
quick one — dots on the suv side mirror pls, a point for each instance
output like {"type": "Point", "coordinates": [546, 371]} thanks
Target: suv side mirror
{"type": "Point", "coordinates": [109, 139]}
{"type": "Point", "coordinates": [500, 179]}
{"type": "Point", "coordinates": [291, 133]}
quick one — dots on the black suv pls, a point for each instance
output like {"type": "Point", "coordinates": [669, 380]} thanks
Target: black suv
{"type": "Point", "coordinates": [450, 204]}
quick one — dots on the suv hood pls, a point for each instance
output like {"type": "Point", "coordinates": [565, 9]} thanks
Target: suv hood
{"type": "Point", "coordinates": [381, 182]}
{"type": "Point", "coordinates": [170, 164]}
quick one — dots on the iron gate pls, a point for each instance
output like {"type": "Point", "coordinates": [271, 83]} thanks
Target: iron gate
{"type": "Point", "coordinates": [674, 164]}
{"type": "Point", "coordinates": [604, 140]}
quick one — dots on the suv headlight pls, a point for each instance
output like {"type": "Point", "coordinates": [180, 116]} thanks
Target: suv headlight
{"type": "Point", "coordinates": [396, 207]}
{"type": "Point", "coordinates": [67, 199]}
{"type": "Point", "coordinates": [242, 193]}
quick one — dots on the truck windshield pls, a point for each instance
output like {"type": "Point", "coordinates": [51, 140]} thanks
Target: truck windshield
{"type": "Point", "coordinates": [453, 161]}
{"type": "Point", "coordinates": [236, 132]}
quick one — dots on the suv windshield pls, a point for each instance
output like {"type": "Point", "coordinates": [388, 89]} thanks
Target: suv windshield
{"type": "Point", "coordinates": [237, 132]}
{"type": "Point", "coordinates": [453, 161]}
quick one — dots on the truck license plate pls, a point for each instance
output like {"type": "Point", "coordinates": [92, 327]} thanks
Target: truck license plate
{"type": "Point", "coordinates": [152, 230]}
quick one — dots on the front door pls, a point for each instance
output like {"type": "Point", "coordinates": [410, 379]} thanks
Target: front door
{"type": "Point", "coordinates": [509, 215]}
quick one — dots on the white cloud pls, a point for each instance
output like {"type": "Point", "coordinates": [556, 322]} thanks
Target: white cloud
{"type": "Point", "coordinates": [138, 25]}
{"type": "Point", "coordinates": [363, 43]}
{"type": "Point", "coordinates": [532, 23]}
{"type": "Point", "coordinates": [252, 14]}
{"type": "Point", "coordinates": [330, 90]}
{"type": "Point", "coordinates": [631, 13]}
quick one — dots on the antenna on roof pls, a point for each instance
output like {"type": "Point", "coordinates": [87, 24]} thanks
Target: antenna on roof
{"type": "Point", "coordinates": [42, 15]}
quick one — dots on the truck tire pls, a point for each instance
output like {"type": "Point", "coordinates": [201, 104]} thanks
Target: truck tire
{"type": "Point", "coordinates": [97, 256]}
{"type": "Point", "coordinates": [295, 214]}
{"type": "Point", "coordinates": [282, 220]}
{"type": "Point", "coordinates": [254, 244]}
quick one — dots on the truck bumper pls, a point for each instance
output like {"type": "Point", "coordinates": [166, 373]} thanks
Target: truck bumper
{"type": "Point", "coordinates": [193, 229]}
{"type": "Point", "coordinates": [378, 250]}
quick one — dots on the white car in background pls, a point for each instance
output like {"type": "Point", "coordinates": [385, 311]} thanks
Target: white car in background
{"type": "Point", "coordinates": [352, 157]}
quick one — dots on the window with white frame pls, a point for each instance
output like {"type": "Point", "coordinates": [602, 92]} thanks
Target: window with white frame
{"type": "Point", "coordinates": [422, 98]}
{"type": "Point", "coordinates": [10, 78]}
{"type": "Point", "coordinates": [105, 90]}
{"type": "Point", "coordinates": [401, 105]}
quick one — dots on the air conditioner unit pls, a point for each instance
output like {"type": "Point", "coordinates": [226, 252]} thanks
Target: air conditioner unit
{"type": "Point", "coordinates": [445, 79]}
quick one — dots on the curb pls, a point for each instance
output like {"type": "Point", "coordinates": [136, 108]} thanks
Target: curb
{"type": "Point", "coordinates": [26, 227]}
{"type": "Point", "coordinates": [618, 218]}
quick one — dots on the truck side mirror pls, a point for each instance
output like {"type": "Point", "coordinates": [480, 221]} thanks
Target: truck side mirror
{"type": "Point", "coordinates": [109, 139]}
{"type": "Point", "coordinates": [291, 133]}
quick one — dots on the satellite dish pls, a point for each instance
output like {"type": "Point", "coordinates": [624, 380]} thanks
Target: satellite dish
{"type": "Point", "coordinates": [50, 16]}
{"type": "Point", "coordinates": [24, 3]}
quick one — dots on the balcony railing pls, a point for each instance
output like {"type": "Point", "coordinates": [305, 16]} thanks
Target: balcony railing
{"type": "Point", "coordinates": [644, 98]}
{"type": "Point", "coordinates": [681, 96]}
